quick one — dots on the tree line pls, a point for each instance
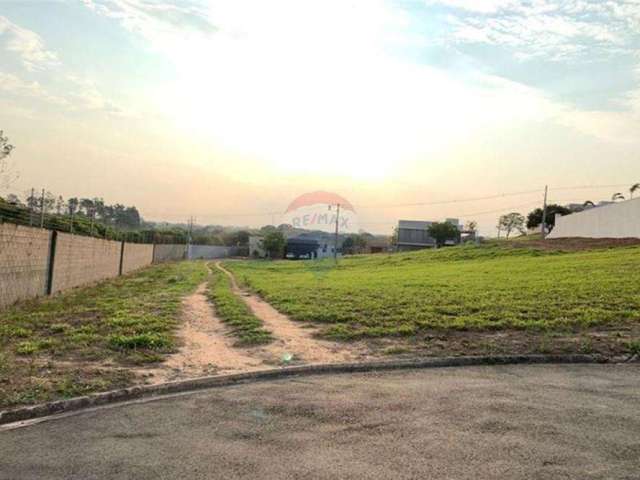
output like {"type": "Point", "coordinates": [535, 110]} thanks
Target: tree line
{"type": "Point", "coordinates": [116, 215]}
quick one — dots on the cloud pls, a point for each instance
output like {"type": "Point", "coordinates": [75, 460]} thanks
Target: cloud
{"type": "Point", "coordinates": [481, 6]}
{"type": "Point", "coordinates": [14, 85]}
{"type": "Point", "coordinates": [86, 96]}
{"type": "Point", "coordinates": [27, 44]}
{"type": "Point", "coordinates": [620, 126]}
{"type": "Point", "coordinates": [286, 80]}
{"type": "Point", "coordinates": [82, 96]}
{"type": "Point", "coordinates": [550, 29]}
{"type": "Point", "coordinates": [153, 18]}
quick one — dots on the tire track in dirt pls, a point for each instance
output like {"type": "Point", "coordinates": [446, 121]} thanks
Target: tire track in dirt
{"type": "Point", "coordinates": [293, 337]}
{"type": "Point", "coordinates": [206, 347]}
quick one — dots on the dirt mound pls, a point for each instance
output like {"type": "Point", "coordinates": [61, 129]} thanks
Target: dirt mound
{"type": "Point", "coordinates": [576, 244]}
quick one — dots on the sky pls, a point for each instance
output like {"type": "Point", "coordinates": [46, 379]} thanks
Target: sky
{"type": "Point", "coordinates": [226, 110]}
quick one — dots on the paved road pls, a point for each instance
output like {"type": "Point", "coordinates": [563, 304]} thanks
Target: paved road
{"type": "Point", "coordinates": [534, 422]}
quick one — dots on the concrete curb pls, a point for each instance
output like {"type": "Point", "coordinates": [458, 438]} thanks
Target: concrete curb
{"type": "Point", "coordinates": [136, 392]}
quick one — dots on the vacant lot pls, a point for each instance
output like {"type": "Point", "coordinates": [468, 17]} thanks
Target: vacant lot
{"type": "Point", "coordinates": [474, 295]}
{"type": "Point", "coordinates": [461, 301]}
{"type": "Point", "coordinates": [80, 341]}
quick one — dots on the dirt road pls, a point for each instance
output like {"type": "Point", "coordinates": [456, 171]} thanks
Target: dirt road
{"type": "Point", "coordinates": [293, 337]}
{"type": "Point", "coordinates": [207, 347]}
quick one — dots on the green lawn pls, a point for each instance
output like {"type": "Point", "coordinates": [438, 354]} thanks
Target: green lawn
{"type": "Point", "coordinates": [483, 288]}
{"type": "Point", "coordinates": [74, 343]}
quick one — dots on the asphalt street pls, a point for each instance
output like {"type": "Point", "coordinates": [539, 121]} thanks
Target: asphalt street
{"type": "Point", "coordinates": [516, 422]}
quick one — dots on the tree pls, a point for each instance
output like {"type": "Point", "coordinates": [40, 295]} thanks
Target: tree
{"type": "Point", "coordinates": [441, 232]}
{"type": "Point", "coordinates": [87, 206]}
{"type": "Point", "coordinates": [274, 243]}
{"type": "Point", "coordinates": [267, 229]}
{"type": "Point", "coordinates": [511, 222]}
{"type": "Point", "coordinates": [72, 205]}
{"type": "Point", "coordinates": [239, 238]}
{"type": "Point", "coordinates": [534, 219]}
{"type": "Point", "coordinates": [394, 237]}
{"type": "Point", "coordinates": [13, 199]}
{"type": "Point", "coordinates": [354, 244]}
{"type": "Point", "coordinates": [61, 205]}
{"type": "Point", "coordinates": [617, 196]}
{"type": "Point", "coordinates": [49, 202]}
{"type": "Point", "coordinates": [32, 201]}
{"type": "Point", "coordinates": [471, 226]}
{"type": "Point", "coordinates": [635, 187]}
{"type": "Point", "coordinates": [5, 150]}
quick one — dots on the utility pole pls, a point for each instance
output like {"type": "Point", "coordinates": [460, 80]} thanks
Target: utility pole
{"type": "Point", "coordinates": [335, 244]}
{"type": "Point", "coordinates": [544, 213]}
{"type": "Point", "coordinates": [42, 210]}
{"type": "Point", "coordinates": [189, 237]}
{"type": "Point", "coordinates": [32, 201]}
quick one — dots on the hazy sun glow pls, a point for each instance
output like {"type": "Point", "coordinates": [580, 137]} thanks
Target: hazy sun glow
{"type": "Point", "coordinates": [211, 107]}
{"type": "Point", "coordinates": [343, 103]}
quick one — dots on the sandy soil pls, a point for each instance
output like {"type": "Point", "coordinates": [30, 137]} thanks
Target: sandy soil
{"type": "Point", "coordinates": [293, 337]}
{"type": "Point", "coordinates": [206, 346]}
{"type": "Point", "coordinates": [575, 244]}
{"type": "Point", "coordinates": [208, 349]}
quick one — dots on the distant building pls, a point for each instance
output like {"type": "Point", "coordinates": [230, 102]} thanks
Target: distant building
{"type": "Point", "coordinates": [310, 246]}
{"type": "Point", "coordinates": [414, 234]}
{"type": "Point", "coordinates": [378, 245]}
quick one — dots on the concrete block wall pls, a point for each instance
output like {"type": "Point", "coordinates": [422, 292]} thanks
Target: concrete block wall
{"type": "Point", "coordinates": [82, 260]}
{"type": "Point", "coordinates": [135, 256]}
{"type": "Point", "coordinates": [211, 251]}
{"type": "Point", "coordinates": [168, 252]}
{"type": "Point", "coordinates": [618, 220]}
{"type": "Point", "coordinates": [24, 260]}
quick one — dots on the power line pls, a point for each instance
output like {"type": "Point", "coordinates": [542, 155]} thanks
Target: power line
{"type": "Point", "coordinates": [445, 202]}
{"type": "Point", "coordinates": [477, 214]}
{"type": "Point", "coordinates": [474, 214]}
{"type": "Point", "coordinates": [587, 187]}
{"type": "Point", "coordinates": [421, 204]}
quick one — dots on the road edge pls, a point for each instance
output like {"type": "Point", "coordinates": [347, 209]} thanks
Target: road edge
{"type": "Point", "coordinates": [131, 393]}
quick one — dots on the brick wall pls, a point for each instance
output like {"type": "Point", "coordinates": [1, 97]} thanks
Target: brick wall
{"type": "Point", "coordinates": [136, 255]}
{"type": "Point", "coordinates": [24, 253]}
{"type": "Point", "coordinates": [168, 252]}
{"type": "Point", "coordinates": [81, 260]}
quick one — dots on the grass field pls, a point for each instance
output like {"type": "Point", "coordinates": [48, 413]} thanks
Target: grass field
{"type": "Point", "coordinates": [246, 327]}
{"type": "Point", "coordinates": [486, 288]}
{"type": "Point", "coordinates": [74, 343]}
